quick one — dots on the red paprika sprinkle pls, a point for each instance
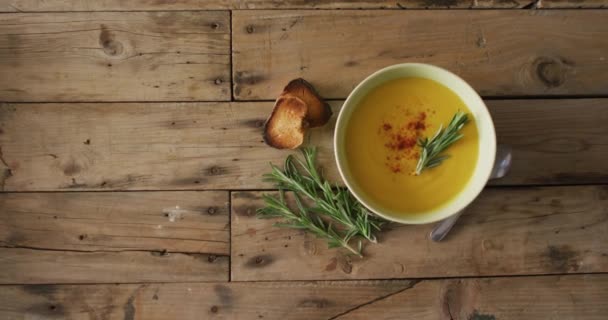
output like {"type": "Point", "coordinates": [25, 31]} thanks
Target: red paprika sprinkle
{"type": "Point", "coordinates": [418, 124]}
{"type": "Point", "coordinates": [406, 143]}
{"type": "Point", "coordinates": [401, 140]}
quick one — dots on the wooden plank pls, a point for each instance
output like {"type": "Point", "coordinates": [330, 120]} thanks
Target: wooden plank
{"type": "Point", "coordinates": [24, 266]}
{"type": "Point", "coordinates": [566, 297]}
{"type": "Point", "coordinates": [187, 222]}
{"type": "Point", "coordinates": [114, 237]}
{"type": "Point", "coordinates": [499, 52]}
{"type": "Point", "coordinates": [135, 56]}
{"type": "Point", "coordinates": [219, 146]}
{"type": "Point", "coordinates": [119, 5]}
{"type": "Point", "coordinates": [550, 230]}
{"type": "Point", "coordinates": [561, 141]}
{"type": "Point", "coordinates": [559, 297]}
{"type": "Point", "coordinates": [556, 4]}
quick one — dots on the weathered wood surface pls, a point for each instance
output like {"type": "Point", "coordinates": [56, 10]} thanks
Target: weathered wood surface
{"type": "Point", "coordinates": [554, 4]}
{"type": "Point", "coordinates": [219, 146]}
{"type": "Point", "coordinates": [172, 54]}
{"type": "Point", "coordinates": [135, 56]}
{"type": "Point", "coordinates": [114, 237]}
{"type": "Point", "coordinates": [499, 52]}
{"type": "Point", "coordinates": [186, 221]}
{"type": "Point", "coordinates": [513, 231]}
{"type": "Point", "coordinates": [566, 297]}
{"type": "Point", "coordinates": [19, 266]}
{"type": "Point", "coordinates": [554, 141]}
{"type": "Point", "coordinates": [118, 5]}
{"type": "Point", "coordinates": [556, 297]}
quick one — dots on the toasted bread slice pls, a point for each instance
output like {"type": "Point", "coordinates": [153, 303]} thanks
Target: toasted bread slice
{"type": "Point", "coordinates": [286, 126]}
{"type": "Point", "coordinates": [319, 111]}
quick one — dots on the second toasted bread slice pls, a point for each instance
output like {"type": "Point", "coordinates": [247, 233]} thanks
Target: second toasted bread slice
{"type": "Point", "coordinates": [319, 111]}
{"type": "Point", "coordinates": [286, 126]}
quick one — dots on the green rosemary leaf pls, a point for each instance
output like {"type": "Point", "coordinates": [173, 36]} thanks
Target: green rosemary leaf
{"type": "Point", "coordinates": [431, 156]}
{"type": "Point", "coordinates": [334, 213]}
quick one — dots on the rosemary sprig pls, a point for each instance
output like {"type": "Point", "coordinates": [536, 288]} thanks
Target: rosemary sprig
{"type": "Point", "coordinates": [430, 156]}
{"type": "Point", "coordinates": [277, 207]}
{"type": "Point", "coordinates": [329, 203]}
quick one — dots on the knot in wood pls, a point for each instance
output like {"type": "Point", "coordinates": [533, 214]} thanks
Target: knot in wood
{"type": "Point", "coordinates": [259, 261]}
{"type": "Point", "coordinates": [112, 48]}
{"type": "Point", "coordinates": [215, 171]}
{"type": "Point", "coordinates": [550, 71]}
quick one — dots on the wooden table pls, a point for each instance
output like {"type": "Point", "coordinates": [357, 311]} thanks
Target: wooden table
{"type": "Point", "coordinates": [131, 155]}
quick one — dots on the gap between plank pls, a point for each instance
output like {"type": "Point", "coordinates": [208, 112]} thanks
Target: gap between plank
{"type": "Point", "coordinates": [398, 8]}
{"type": "Point", "coordinates": [160, 252]}
{"type": "Point", "coordinates": [419, 280]}
{"type": "Point", "coordinates": [517, 97]}
{"type": "Point", "coordinates": [231, 57]}
{"type": "Point", "coordinates": [530, 275]}
{"type": "Point", "coordinates": [505, 186]}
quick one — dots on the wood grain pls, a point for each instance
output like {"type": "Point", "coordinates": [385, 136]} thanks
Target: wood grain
{"type": "Point", "coordinates": [559, 297]}
{"type": "Point", "coordinates": [553, 141]}
{"type": "Point", "coordinates": [135, 56]}
{"type": "Point", "coordinates": [119, 5]}
{"type": "Point", "coordinates": [219, 146]}
{"type": "Point", "coordinates": [499, 52]}
{"type": "Point", "coordinates": [516, 231]}
{"type": "Point", "coordinates": [565, 297]}
{"type": "Point", "coordinates": [25, 266]}
{"type": "Point", "coordinates": [554, 4]}
{"type": "Point", "coordinates": [187, 222]}
{"type": "Point", "coordinates": [114, 237]}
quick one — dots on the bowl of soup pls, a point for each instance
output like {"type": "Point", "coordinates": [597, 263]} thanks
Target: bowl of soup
{"type": "Point", "coordinates": [376, 143]}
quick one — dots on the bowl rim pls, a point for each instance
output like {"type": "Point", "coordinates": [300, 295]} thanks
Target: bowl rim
{"type": "Point", "coordinates": [474, 188]}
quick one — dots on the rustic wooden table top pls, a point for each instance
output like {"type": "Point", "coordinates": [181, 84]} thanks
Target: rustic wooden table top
{"type": "Point", "coordinates": [115, 112]}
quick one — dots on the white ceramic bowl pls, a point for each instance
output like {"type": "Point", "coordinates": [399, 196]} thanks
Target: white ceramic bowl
{"type": "Point", "coordinates": [483, 120]}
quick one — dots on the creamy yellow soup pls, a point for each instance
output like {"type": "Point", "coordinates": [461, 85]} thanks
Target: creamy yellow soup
{"type": "Point", "coordinates": [382, 153]}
